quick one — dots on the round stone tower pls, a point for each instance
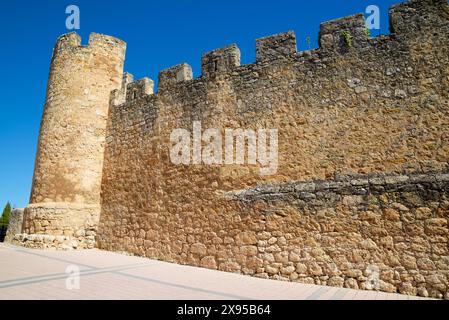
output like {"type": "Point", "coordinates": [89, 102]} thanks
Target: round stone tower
{"type": "Point", "coordinates": [64, 205]}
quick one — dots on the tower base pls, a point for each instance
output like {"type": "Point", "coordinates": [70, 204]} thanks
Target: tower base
{"type": "Point", "coordinates": [59, 225]}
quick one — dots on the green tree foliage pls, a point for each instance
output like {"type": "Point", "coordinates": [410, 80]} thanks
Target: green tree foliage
{"type": "Point", "coordinates": [347, 37]}
{"type": "Point", "coordinates": [4, 220]}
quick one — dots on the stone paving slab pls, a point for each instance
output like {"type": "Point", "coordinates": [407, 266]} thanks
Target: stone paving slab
{"type": "Point", "coordinates": [41, 274]}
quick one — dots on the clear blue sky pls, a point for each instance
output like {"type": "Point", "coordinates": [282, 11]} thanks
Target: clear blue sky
{"type": "Point", "coordinates": [159, 34]}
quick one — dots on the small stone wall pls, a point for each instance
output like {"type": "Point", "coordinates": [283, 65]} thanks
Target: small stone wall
{"type": "Point", "coordinates": [15, 224]}
{"type": "Point", "coordinates": [59, 225]}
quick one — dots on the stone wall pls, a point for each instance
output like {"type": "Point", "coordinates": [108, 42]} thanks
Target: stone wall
{"type": "Point", "coordinates": [59, 225]}
{"type": "Point", "coordinates": [15, 224]}
{"type": "Point", "coordinates": [372, 106]}
{"type": "Point", "coordinates": [367, 232]}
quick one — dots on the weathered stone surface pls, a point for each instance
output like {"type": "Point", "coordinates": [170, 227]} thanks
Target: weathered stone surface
{"type": "Point", "coordinates": [351, 283]}
{"type": "Point", "coordinates": [229, 266]}
{"type": "Point", "coordinates": [198, 249]}
{"type": "Point", "coordinates": [336, 281]}
{"type": "Point", "coordinates": [209, 262]}
{"type": "Point", "coordinates": [15, 224]}
{"type": "Point", "coordinates": [246, 238]}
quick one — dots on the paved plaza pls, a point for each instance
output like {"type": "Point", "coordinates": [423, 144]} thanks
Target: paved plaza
{"type": "Point", "coordinates": [49, 274]}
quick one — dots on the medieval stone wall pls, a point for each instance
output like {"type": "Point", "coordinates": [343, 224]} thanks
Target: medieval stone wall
{"type": "Point", "coordinates": [349, 108]}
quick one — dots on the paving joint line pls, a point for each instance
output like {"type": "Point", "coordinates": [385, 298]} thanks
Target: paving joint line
{"type": "Point", "coordinates": [317, 293]}
{"type": "Point", "coordinates": [56, 259]}
{"type": "Point", "coordinates": [183, 286]}
{"type": "Point", "coordinates": [19, 282]}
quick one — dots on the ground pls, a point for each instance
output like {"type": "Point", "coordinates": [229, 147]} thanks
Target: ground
{"type": "Point", "coordinates": [43, 274]}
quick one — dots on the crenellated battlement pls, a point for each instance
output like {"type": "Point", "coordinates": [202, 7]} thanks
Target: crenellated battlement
{"type": "Point", "coordinates": [336, 37]}
{"type": "Point", "coordinates": [173, 75]}
{"type": "Point", "coordinates": [276, 46]}
{"type": "Point", "coordinates": [106, 43]}
{"type": "Point", "coordinates": [416, 16]}
{"type": "Point", "coordinates": [343, 33]}
{"type": "Point", "coordinates": [99, 43]}
{"type": "Point", "coordinates": [220, 61]}
{"type": "Point", "coordinates": [139, 89]}
{"type": "Point", "coordinates": [118, 96]}
{"type": "Point", "coordinates": [131, 90]}
{"type": "Point", "coordinates": [68, 40]}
